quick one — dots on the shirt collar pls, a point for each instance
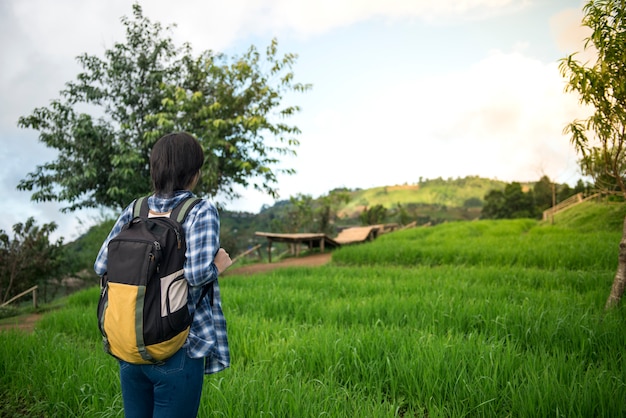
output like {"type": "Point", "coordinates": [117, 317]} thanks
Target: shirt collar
{"type": "Point", "coordinates": [166, 204]}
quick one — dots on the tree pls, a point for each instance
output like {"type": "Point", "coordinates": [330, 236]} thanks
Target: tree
{"type": "Point", "coordinates": [473, 202]}
{"type": "Point", "coordinates": [29, 258]}
{"type": "Point", "coordinates": [595, 165]}
{"type": "Point", "coordinates": [105, 122]}
{"type": "Point", "coordinates": [563, 192]}
{"type": "Point", "coordinates": [581, 187]}
{"type": "Point", "coordinates": [520, 204]}
{"type": "Point", "coordinates": [495, 205]}
{"type": "Point", "coordinates": [601, 85]}
{"type": "Point", "coordinates": [511, 203]}
{"type": "Point", "coordinates": [327, 208]}
{"type": "Point", "coordinates": [544, 192]}
{"type": "Point", "coordinates": [403, 214]}
{"type": "Point", "coordinates": [374, 215]}
{"type": "Point", "coordinates": [299, 213]}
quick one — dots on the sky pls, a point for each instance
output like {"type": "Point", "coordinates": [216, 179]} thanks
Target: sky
{"type": "Point", "coordinates": [401, 90]}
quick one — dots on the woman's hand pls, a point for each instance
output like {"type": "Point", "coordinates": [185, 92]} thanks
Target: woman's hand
{"type": "Point", "coordinates": [222, 260]}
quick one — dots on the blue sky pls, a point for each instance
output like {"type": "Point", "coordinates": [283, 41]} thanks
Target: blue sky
{"type": "Point", "coordinates": [402, 90]}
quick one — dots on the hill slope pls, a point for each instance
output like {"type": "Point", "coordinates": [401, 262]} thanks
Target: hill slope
{"type": "Point", "coordinates": [453, 193]}
{"type": "Point", "coordinates": [593, 216]}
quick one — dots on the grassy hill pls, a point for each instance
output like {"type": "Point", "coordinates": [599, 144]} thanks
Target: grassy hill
{"type": "Point", "coordinates": [490, 318]}
{"type": "Point", "coordinates": [464, 192]}
{"type": "Point", "coordinates": [593, 216]}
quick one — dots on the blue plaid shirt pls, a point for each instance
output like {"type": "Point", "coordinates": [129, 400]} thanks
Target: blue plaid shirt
{"type": "Point", "coordinates": [207, 336]}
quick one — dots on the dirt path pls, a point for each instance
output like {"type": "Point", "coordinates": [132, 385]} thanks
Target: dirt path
{"type": "Point", "coordinates": [307, 261]}
{"type": "Point", "coordinates": [27, 322]}
{"type": "Point", "coordinates": [23, 322]}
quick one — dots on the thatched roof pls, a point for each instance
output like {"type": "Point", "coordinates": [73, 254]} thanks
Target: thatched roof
{"type": "Point", "coordinates": [364, 233]}
{"type": "Point", "coordinates": [347, 236]}
{"type": "Point", "coordinates": [356, 234]}
{"type": "Point", "coordinates": [311, 239]}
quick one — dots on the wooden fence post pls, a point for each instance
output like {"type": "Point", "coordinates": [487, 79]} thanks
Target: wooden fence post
{"type": "Point", "coordinates": [32, 289]}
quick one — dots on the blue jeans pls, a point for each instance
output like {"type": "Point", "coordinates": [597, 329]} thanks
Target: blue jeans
{"type": "Point", "coordinates": [169, 390]}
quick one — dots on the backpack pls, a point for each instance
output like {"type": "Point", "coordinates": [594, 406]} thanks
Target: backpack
{"type": "Point", "coordinates": [142, 310]}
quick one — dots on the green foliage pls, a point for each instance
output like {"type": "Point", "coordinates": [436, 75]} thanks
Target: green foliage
{"type": "Point", "coordinates": [29, 258]}
{"type": "Point", "coordinates": [327, 208]}
{"type": "Point", "coordinates": [543, 192]}
{"type": "Point", "coordinates": [473, 202]}
{"type": "Point", "coordinates": [301, 213]}
{"type": "Point", "coordinates": [596, 164]}
{"type": "Point", "coordinates": [375, 215]}
{"type": "Point", "coordinates": [601, 84]}
{"type": "Point", "coordinates": [298, 214]}
{"type": "Point", "coordinates": [510, 203]}
{"type": "Point", "coordinates": [9, 311]}
{"type": "Point", "coordinates": [148, 86]}
{"type": "Point", "coordinates": [81, 253]}
{"type": "Point", "coordinates": [403, 214]}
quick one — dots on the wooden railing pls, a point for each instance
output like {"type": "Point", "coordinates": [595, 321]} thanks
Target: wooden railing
{"type": "Point", "coordinates": [569, 202]}
{"type": "Point", "coordinates": [573, 201]}
{"type": "Point", "coordinates": [251, 250]}
{"type": "Point", "coordinates": [25, 292]}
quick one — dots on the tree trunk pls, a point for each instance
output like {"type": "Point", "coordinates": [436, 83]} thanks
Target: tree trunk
{"type": "Point", "coordinates": [617, 290]}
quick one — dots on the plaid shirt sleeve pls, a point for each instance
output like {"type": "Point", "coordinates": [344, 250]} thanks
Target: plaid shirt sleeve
{"type": "Point", "coordinates": [207, 336]}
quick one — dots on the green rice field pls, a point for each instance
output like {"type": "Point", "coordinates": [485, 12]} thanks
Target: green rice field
{"type": "Point", "coordinates": [468, 319]}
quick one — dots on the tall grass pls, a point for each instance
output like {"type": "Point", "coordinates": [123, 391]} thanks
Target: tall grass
{"type": "Point", "coordinates": [520, 243]}
{"type": "Point", "coordinates": [477, 319]}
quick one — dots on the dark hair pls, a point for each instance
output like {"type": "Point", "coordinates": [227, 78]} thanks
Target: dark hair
{"type": "Point", "coordinates": [175, 159]}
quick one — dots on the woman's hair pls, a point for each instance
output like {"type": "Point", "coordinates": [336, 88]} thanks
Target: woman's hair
{"type": "Point", "coordinates": [174, 161]}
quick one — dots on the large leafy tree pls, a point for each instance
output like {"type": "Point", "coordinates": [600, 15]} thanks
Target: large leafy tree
{"type": "Point", "coordinates": [105, 122]}
{"type": "Point", "coordinates": [601, 85]}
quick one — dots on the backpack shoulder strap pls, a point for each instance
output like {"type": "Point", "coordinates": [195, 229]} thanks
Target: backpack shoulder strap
{"type": "Point", "coordinates": [179, 213]}
{"type": "Point", "coordinates": [140, 208]}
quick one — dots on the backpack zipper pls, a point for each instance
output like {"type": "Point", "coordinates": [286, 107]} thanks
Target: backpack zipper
{"type": "Point", "coordinates": [178, 239]}
{"type": "Point", "coordinates": [157, 246]}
